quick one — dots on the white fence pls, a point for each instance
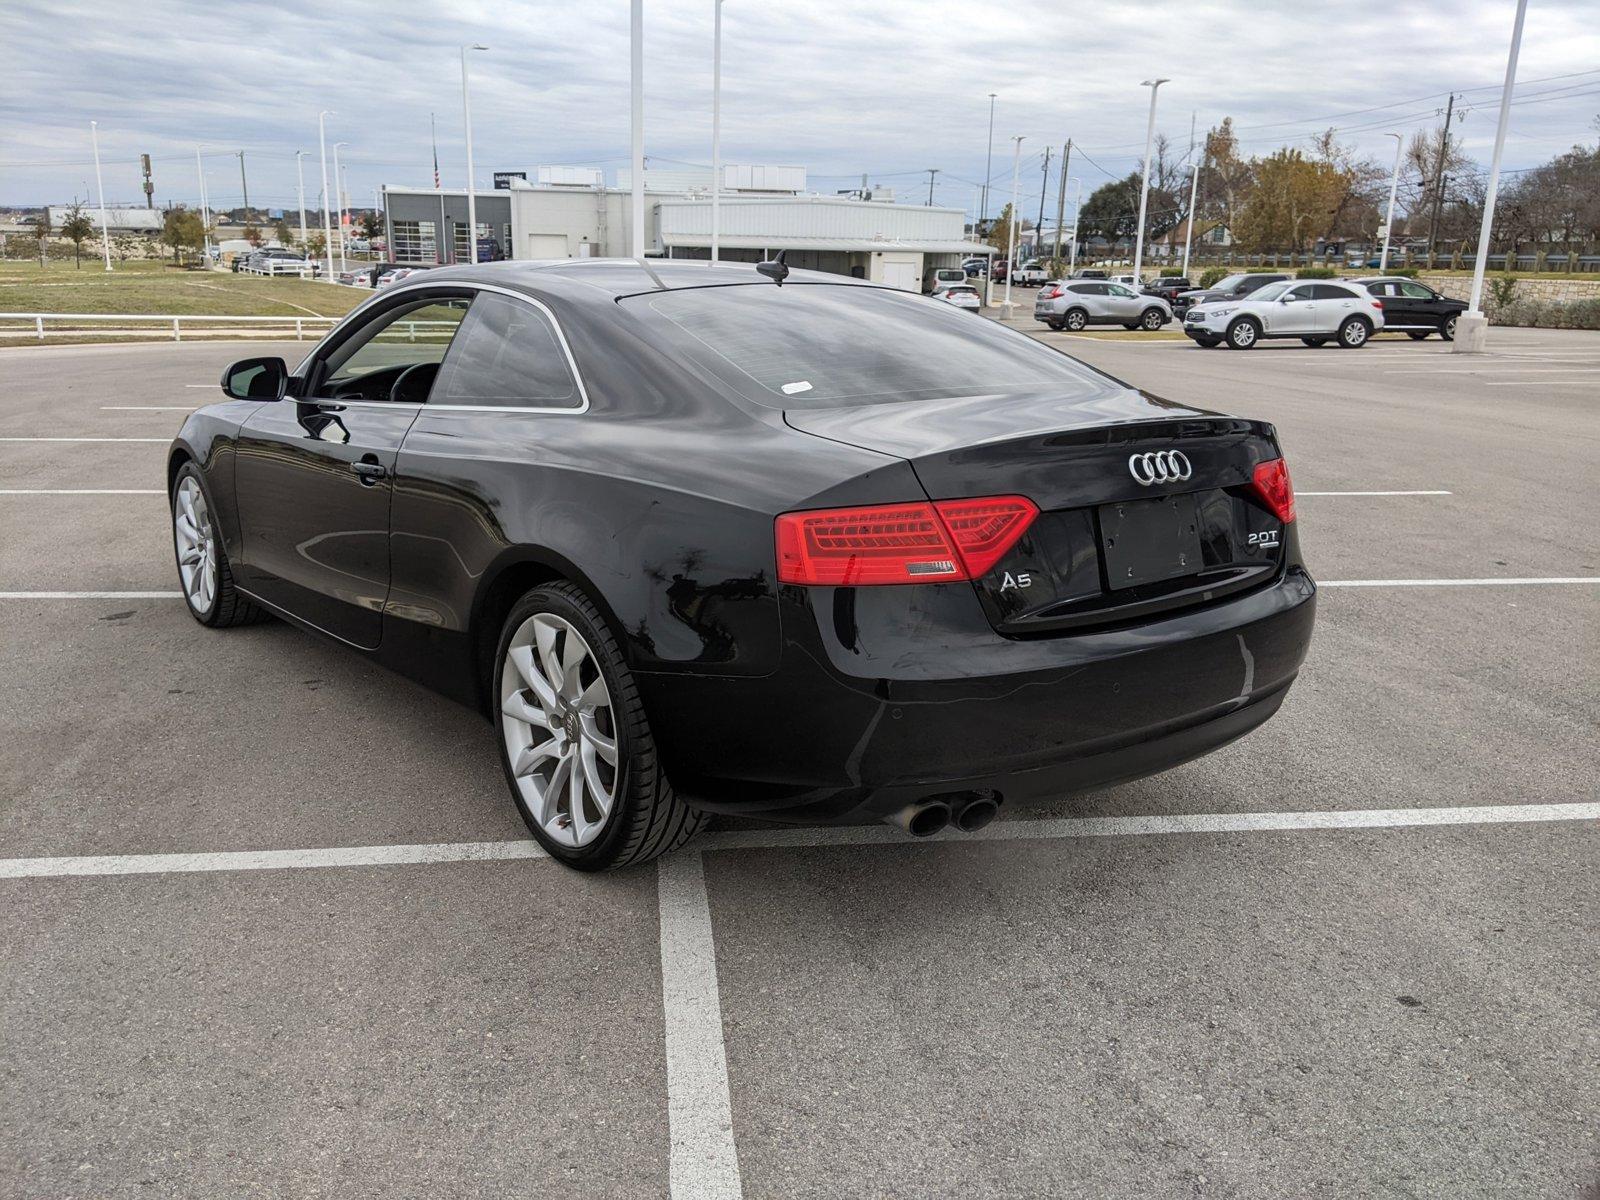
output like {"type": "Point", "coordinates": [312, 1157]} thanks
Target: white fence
{"type": "Point", "coordinates": [144, 325]}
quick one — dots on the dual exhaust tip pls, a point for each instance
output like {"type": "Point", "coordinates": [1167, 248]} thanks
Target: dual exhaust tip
{"type": "Point", "coordinates": [967, 812]}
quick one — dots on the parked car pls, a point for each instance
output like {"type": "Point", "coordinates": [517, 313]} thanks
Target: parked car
{"type": "Point", "coordinates": [962, 295]}
{"type": "Point", "coordinates": [1031, 274]}
{"type": "Point", "coordinates": [1230, 287]}
{"type": "Point", "coordinates": [1316, 313]}
{"type": "Point", "coordinates": [383, 274]}
{"type": "Point", "coordinates": [1127, 281]}
{"type": "Point", "coordinates": [275, 260]}
{"type": "Point", "coordinates": [1415, 308]}
{"type": "Point", "coordinates": [1088, 273]}
{"type": "Point", "coordinates": [832, 581]}
{"type": "Point", "coordinates": [975, 267]}
{"type": "Point", "coordinates": [1168, 287]}
{"type": "Point", "coordinates": [1076, 303]}
{"type": "Point", "coordinates": [998, 271]}
{"type": "Point", "coordinates": [937, 276]}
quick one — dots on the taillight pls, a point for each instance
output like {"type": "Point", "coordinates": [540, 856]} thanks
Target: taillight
{"type": "Point", "coordinates": [1271, 484]}
{"type": "Point", "coordinates": [1053, 294]}
{"type": "Point", "coordinates": [1378, 304]}
{"type": "Point", "coordinates": [938, 542]}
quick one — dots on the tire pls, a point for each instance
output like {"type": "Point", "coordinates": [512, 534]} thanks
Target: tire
{"type": "Point", "coordinates": [1208, 343]}
{"type": "Point", "coordinates": [204, 575]}
{"type": "Point", "coordinates": [1243, 334]}
{"type": "Point", "coordinates": [1075, 319]}
{"type": "Point", "coordinates": [1130, 328]}
{"type": "Point", "coordinates": [1447, 330]}
{"type": "Point", "coordinates": [1152, 319]}
{"type": "Point", "coordinates": [643, 817]}
{"type": "Point", "coordinates": [1056, 325]}
{"type": "Point", "coordinates": [1417, 335]}
{"type": "Point", "coordinates": [1353, 334]}
{"type": "Point", "coordinates": [1315, 342]}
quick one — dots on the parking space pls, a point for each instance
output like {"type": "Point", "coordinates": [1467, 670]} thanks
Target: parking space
{"type": "Point", "coordinates": [1351, 954]}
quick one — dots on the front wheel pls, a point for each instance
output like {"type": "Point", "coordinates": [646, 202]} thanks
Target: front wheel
{"type": "Point", "coordinates": [1242, 335]}
{"type": "Point", "coordinates": [1152, 319]}
{"type": "Point", "coordinates": [1315, 342]}
{"type": "Point", "coordinates": [203, 568]}
{"type": "Point", "coordinates": [1056, 325]}
{"type": "Point", "coordinates": [1417, 335]}
{"type": "Point", "coordinates": [574, 741]}
{"type": "Point", "coordinates": [1208, 343]}
{"type": "Point", "coordinates": [1353, 334]}
{"type": "Point", "coordinates": [1448, 330]}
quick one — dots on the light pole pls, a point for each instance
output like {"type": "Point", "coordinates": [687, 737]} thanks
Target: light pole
{"type": "Point", "coordinates": [327, 220]}
{"type": "Point", "coordinates": [636, 70]}
{"type": "Point", "coordinates": [1144, 186]}
{"type": "Point", "coordinates": [1472, 327]}
{"type": "Point", "coordinates": [338, 202]}
{"type": "Point", "coordinates": [988, 161]}
{"type": "Point", "coordinates": [1394, 186]}
{"type": "Point", "coordinates": [716, 133]}
{"type": "Point", "coordinates": [1077, 213]}
{"type": "Point", "coordinates": [205, 208]}
{"type": "Point", "coordinates": [1188, 233]}
{"type": "Point", "coordinates": [1011, 232]}
{"type": "Point", "coordinates": [105, 232]}
{"type": "Point", "coordinates": [472, 196]}
{"type": "Point", "coordinates": [300, 176]}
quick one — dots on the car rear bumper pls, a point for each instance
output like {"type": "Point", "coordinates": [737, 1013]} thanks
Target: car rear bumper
{"type": "Point", "coordinates": [884, 698]}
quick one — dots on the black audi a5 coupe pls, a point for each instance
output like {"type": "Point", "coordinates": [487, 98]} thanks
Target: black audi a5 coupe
{"type": "Point", "coordinates": [755, 541]}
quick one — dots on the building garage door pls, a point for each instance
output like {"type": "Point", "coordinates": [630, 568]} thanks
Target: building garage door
{"type": "Point", "coordinates": [547, 245]}
{"type": "Point", "coordinates": [901, 275]}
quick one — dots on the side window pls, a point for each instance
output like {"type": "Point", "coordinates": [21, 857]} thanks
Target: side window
{"type": "Point", "coordinates": [1306, 292]}
{"type": "Point", "coordinates": [507, 356]}
{"type": "Point", "coordinates": [1381, 289]}
{"type": "Point", "coordinates": [1328, 291]}
{"type": "Point", "coordinates": [1116, 289]}
{"type": "Point", "coordinates": [367, 365]}
{"type": "Point", "coordinates": [1095, 289]}
{"type": "Point", "coordinates": [1416, 291]}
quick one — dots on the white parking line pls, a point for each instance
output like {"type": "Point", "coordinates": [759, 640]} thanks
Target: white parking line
{"type": "Point", "coordinates": [1300, 493]}
{"type": "Point", "coordinates": [81, 492]}
{"type": "Point", "coordinates": [91, 595]}
{"type": "Point", "coordinates": [164, 441]}
{"type": "Point", "coordinates": [268, 860]}
{"type": "Point", "coordinates": [703, 1162]}
{"type": "Point", "coordinates": [1595, 375]}
{"type": "Point", "coordinates": [147, 407]}
{"type": "Point", "coordinates": [1338, 583]}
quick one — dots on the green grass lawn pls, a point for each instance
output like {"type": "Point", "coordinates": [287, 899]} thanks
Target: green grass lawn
{"type": "Point", "coordinates": [161, 289]}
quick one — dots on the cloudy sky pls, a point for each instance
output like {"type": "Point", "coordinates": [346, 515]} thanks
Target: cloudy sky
{"type": "Point", "coordinates": [888, 88]}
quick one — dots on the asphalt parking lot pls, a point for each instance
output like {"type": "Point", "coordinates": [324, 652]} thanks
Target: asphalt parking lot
{"type": "Point", "coordinates": [271, 926]}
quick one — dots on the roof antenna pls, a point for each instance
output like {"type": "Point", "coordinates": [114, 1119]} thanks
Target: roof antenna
{"type": "Point", "coordinates": [776, 270]}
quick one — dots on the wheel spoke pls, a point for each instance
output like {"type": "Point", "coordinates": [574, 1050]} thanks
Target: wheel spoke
{"type": "Point", "coordinates": [191, 555]}
{"type": "Point", "coordinates": [572, 656]}
{"type": "Point", "coordinates": [529, 759]}
{"type": "Point", "coordinates": [580, 819]}
{"type": "Point", "coordinates": [522, 657]}
{"type": "Point", "coordinates": [516, 707]}
{"type": "Point", "coordinates": [545, 634]}
{"type": "Point", "coordinates": [186, 529]}
{"type": "Point", "coordinates": [550, 794]}
{"type": "Point", "coordinates": [604, 745]}
{"type": "Point", "coordinates": [594, 696]}
{"type": "Point", "coordinates": [591, 778]}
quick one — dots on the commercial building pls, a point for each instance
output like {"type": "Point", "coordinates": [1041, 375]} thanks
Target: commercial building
{"type": "Point", "coordinates": [570, 213]}
{"type": "Point", "coordinates": [118, 220]}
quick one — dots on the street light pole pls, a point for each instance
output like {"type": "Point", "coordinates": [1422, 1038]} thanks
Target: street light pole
{"type": "Point", "coordinates": [327, 221]}
{"type": "Point", "coordinates": [932, 171]}
{"type": "Point", "coordinates": [300, 177]}
{"type": "Point", "coordinates": [472, 196]}
{"type": "Point", "coordinates": [636, 70]}
{"type": "Point", "coordinates": [1394, 186]}
{"type": "Point", "coordinates": [1011, 233]}
{"type": "Point", "coordinates": [338, 202]}
{"type": "Point", "coordinates": [1188, 233]}
{"type": "Point", "coordinates": [988, 161]}
{"type": "Point", "coordinates": [716, 133]}
{"type": "Point", "coordinates": [99, 183]}
{"type": "Point", "coordinates": [1472, 327]}
{"type": "Point", "coordinates": [1144, 186]}
{"type": "Point", "coordinates": [205, 209]}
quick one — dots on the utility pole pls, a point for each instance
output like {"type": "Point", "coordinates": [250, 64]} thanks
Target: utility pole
{"type": "Point", "coordinates": [1061, 196]}
{"type": "Point", "coordinates": [1044, 183]}
{"type": "Point", "coordinates": [1438, 175]}
{"type": "Point", "coordinates": [932, 171]}
{"type": "Point", "coordinates": [245, 184]}
{"type": "Point", "coordinates": [988, 166]}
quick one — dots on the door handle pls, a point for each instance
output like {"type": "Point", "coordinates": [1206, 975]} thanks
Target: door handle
{"type": "Point", "coordinates": [370, 472]}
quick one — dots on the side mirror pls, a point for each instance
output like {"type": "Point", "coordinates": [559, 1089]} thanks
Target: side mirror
{"type": "Point", "coordinates": [256, 379]}
{"type": "Point", "coordinates": [1284, 299]}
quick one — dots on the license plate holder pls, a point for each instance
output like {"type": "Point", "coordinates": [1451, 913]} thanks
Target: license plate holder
{"type": "Point", "coordinates": [1147, 541]}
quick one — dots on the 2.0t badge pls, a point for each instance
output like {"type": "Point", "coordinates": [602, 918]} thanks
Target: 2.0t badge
{"type": "Point", "coordinates": [1163, 466]}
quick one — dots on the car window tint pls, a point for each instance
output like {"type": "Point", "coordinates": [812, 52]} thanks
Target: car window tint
{"type": "Point", "coordinates": [1416, 291]}
{"type": "Point", "coordinates": [1271, 292]}
{"type": "Point", "coordinates": [1329, 291]}
{"type": "Point", "coordinates": [825, 345]}
{"type": "Point", "coordinates": [414, 333]}
{"type": "Point", "coordinates": [1116, 289]}
{"type": "Point", "coordinates": [507, 356]}
{"type": "Point", "coordinates": [1300, 293]}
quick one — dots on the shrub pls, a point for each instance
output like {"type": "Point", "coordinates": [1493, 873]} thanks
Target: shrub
{"type": "Point", "coordinates": [1403, 272]}
{"type": "Point", "coordinates": [1503, 290]}
{"type": "Point", "coordinates": [1316, 273]}
{"type": "Point", "coordinates": [1550, 314]}
{"type": "Point", "coordinates": [1209, 277]}
{"type": "Point", "coordinates": [1261, 270]}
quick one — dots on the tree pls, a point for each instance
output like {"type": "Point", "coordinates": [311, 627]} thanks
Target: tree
{"type": "Point", "coordinates": [1000, 232]}
{"type": "Point", "coordinates": [75, 229]}
{"type": "Point", "coordinates": [282, 232]}
{"type": "Point", "coordinates": [1291, 203]}
{"type": "Point", "coordinates": [41, 230]}
{"type": "Point", "coordinates": [372, 223]}
{"type": "Point", "coordinates": [1226, 178]}
{"type": "Point", "coordinates": [182, 229]}
{"type": "Point", "coordinates": [316, 244]}
{"type": "Point", "coordinates": [1112, 210]}
{"type": "Point", "coordinates": [253, 236]}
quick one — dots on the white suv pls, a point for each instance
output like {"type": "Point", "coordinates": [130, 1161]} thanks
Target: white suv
{"type": "Point", "coordinates": [1316, 313]}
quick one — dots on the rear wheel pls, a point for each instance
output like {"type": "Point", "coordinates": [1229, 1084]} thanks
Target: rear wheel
{"type": "Point", "coordinates": [1416, 335]}
{"type": "Point", "coordinates": [1076, 319]}
{"type": "Point", "coordinates": [1315, 342]}
{"type": "Point", "coordinates": [1448, 330]}
{"type": "Point", "coordinates": [1208, 343]}
{"type": "Point", "coordinates": [1353, 334]}
{"type": "Point", "coordinates": [1152, 319]}
{"type": "Point", "coordinates": [1056, 325]}
{"type": "Point", "coordinates": [574, 741]}
{"type": "Point", "coordinates": [1243, 334]}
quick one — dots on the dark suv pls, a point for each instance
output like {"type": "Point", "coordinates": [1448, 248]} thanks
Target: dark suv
{"type": "Point", "coordinates": [1414, 308]}
{"type": "Point", "coordinates": [1168, 287]}
{"type": "Point", "coordinates": [1231, 287]}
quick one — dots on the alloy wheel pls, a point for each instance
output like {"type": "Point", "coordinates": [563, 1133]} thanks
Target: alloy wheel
{"type": "Point", "coordinates": [1355, 333]}
{"type": "Point", "coordinates": [559, 728]}
{"type": "Point", "coordinates": [197, 548]}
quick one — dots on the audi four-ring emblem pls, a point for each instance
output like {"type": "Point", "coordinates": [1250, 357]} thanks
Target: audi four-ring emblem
{"type": "Point", "coordinates": [1163, 466]}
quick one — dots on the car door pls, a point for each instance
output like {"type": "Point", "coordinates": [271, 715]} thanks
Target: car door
{"type": "Point", "coordinates": [1123, 304]}
{"type": "Point", "coordinates": [1294, 312]}
{"type": "Point", "coordinates": [315, 474]}
{"type": "Point", "coordinates": [1424, 308]}
{"type": "Point", "coordinates": [1335, 304]}
{"type": "Point", "coordinates": [1097, 300]}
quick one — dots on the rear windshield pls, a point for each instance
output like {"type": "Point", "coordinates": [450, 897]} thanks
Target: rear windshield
{"type": "Point", "coordinates": [822, 346]}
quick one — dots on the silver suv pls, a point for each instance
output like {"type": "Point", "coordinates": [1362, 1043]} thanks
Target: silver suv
{"type": "Point", "coordinates": [1074, 303]}
{"type": "Point", "coordinates": [1316, 313]}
